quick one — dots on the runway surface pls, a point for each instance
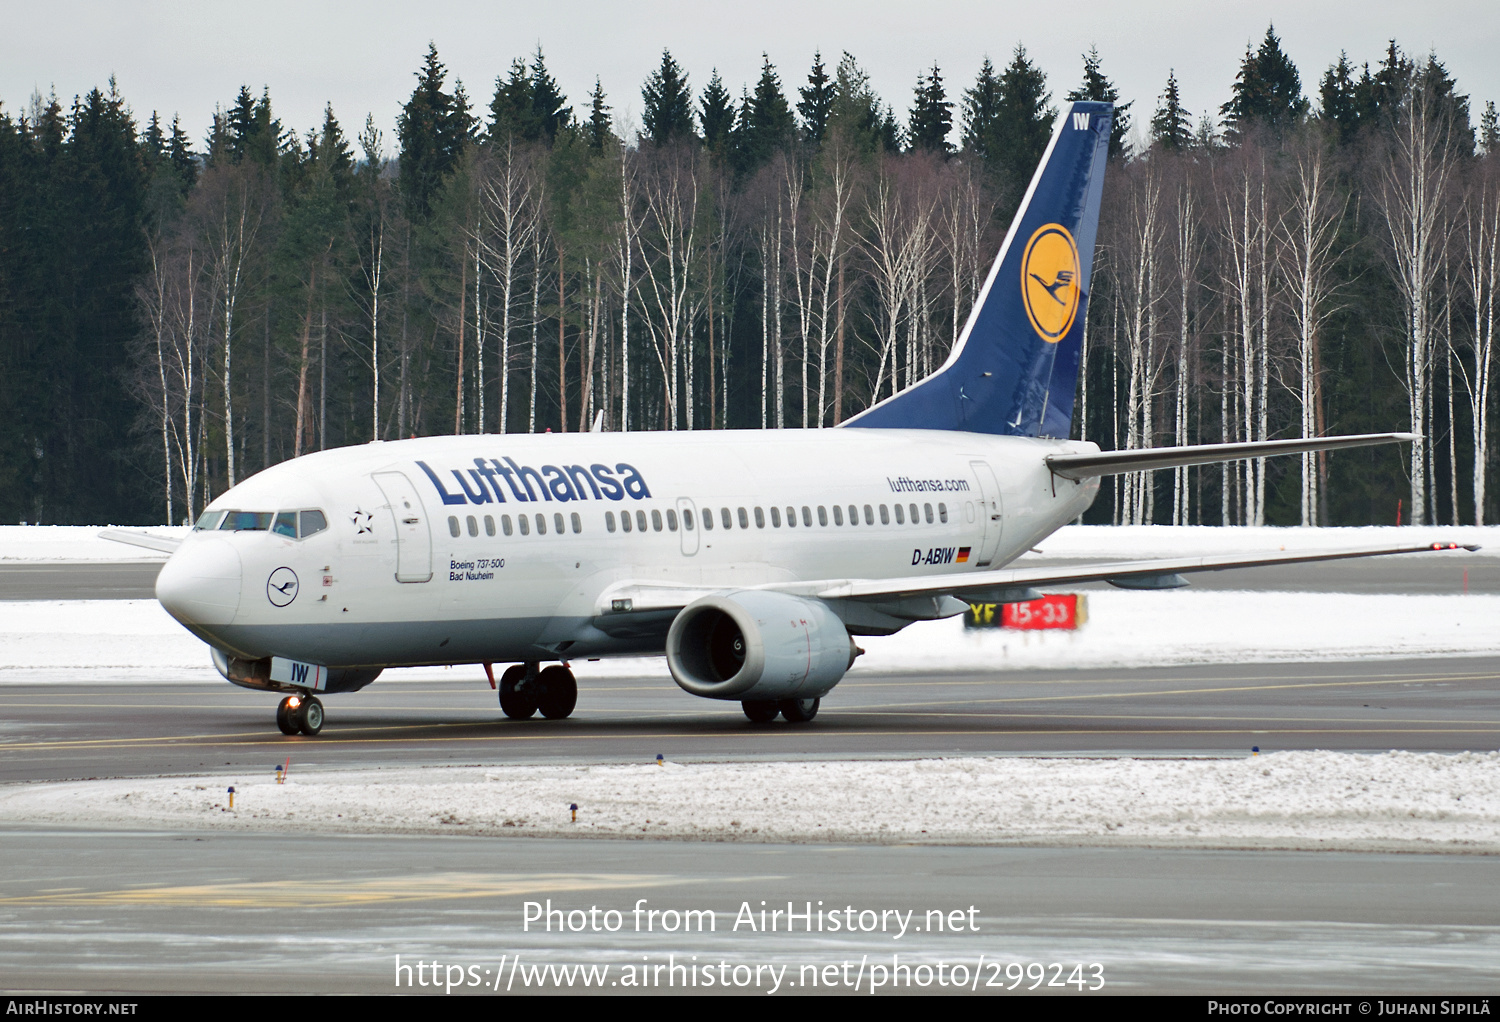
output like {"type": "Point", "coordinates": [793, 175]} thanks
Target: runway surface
{"type": "Point", "coordinates": [54, 732]}
{"type": "Point", "coordinates": [112, 911]}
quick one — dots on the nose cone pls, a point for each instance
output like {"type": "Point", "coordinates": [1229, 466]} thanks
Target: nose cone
{"type": "Point", "coordinates": [200, 583]}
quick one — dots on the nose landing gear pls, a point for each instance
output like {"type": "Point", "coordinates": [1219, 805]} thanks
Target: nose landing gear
{"type": "Point", "coordinates": [524, 690]}
{"type": "Point", "coordinates": [300, 715]}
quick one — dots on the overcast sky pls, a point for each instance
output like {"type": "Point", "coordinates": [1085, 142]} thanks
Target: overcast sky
{"type": "Point", "coordinates": [183, 56]}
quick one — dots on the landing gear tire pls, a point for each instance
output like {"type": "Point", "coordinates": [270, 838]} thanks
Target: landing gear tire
{"type": "Point", "coordinates": [760, 711]}
{"type": "Point", "coordinates": [557, 692]}
{"type": "Point", "coordinates": [800, 711]}
{"type": "Point", "coordinates": [309, 716]}
{"type": "Point", "coordinates": [517, 704]}
{"type": "Point", "coordinates": [284, 719]}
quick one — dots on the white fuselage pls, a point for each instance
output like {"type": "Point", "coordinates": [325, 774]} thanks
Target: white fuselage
{"type": "Point", "coordinates": [432, 566]}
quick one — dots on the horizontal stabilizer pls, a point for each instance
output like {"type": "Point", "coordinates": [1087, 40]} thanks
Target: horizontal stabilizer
{"type": "Point", "coordinates": [1111, 463]}
{"type": "Point", "coordinates": [161, 544]}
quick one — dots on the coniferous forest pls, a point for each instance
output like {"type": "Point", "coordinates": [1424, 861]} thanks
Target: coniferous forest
{"type": "Point", "coordinates": [1312, 258]}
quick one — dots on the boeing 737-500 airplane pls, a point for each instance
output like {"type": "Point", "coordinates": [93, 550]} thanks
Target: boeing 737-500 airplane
{"type": "Point", "coordinates": [751, 559]}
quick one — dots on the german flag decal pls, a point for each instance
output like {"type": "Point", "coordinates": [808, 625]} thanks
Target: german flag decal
{"type": "Point", "coordinates": [963, 555]}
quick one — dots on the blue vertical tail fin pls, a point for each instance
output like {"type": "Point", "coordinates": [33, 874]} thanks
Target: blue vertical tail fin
{"type": "Point", "coordinates": [1014, 369]}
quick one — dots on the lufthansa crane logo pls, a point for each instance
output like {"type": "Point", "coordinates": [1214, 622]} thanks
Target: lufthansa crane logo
{"type": "Point", "coordinates": [281, 587]}
{"type": "Point", "coordinates": [1049, 281]}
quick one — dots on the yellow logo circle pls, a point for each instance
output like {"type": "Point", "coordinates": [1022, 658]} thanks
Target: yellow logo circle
{"type": "Point", "coordinates": [1049, 281]}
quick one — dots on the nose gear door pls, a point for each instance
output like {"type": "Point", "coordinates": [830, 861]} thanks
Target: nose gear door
{"type": "Point", "coordinates": [989, 512]}
{"type": "Point", "coordinates": [413, 537]}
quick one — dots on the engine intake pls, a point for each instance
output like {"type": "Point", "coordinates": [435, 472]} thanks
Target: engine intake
{"type": "Point", "coordinates": [758, 645]}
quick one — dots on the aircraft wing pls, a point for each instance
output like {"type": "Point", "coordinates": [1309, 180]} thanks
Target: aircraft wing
{"type": "Point", "coordinates": [161, 544]}
{"type": "Point", "coordinates": [1006, 582]}
{"type": "Point", "coordinates": [1111, 463]}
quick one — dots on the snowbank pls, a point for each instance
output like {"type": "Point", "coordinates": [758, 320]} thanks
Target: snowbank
{"type": "Point", "coordinates": [1109, 542]}
{"type": "Point", "coordinates": [75, 543]}
{"type": "Point", "coordinates": [1311, 800]}
{"type": "Point", "coordinates": [135, 640]}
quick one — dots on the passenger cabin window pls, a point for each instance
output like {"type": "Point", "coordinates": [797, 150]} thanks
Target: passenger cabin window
{"type": "Point", "coordinates": [838, 515]}
{"type": "Point", "coordinates": [929, 513]}
{"type": "Point", "coordinates": [577, 522]}
{"type": "Point", "coordinates": [915, 517]}
{"type": "Point", "coordinates": [640, 521]}
{"type": "Point", "coordinates": [609, 521]}
{"type": "Point", "coordinates": [625, 520]}
{"type": "Point", "coordinates": [900, 515]}
{"type": "Point", "coordinates": [853, 515]}
{"type": "Point", "coordinates": [708, 519]}
{"type": "Point", "coordinates": [760, 518]}
{"type": "Point", "coordinates": [656, 519]}
{"type": "Point", "coordinates": [541, 524]}
{"type": "Point", "coordinates": [943, 513]}
{"type": "Point", "coordinates": [453, 526]}
{"type": "Point", "coordinates": [726, 514]}
{"type": "Point", "coordinates": [822, 515]}
{"type": "Point", "coordinates": [671, 520]}
{"type": "Point", "coordinates": [286, 524]}
{"type": "Point", "coordinates": [557, 521]}
{"type": "Point", "coordinates": [885, 515]}
{"type": "Point", "coordinates": [776, 517]}
{"type": "Point", "coordinates": [744, 519]}
{"type": "Point", "coordinates": [473, 526]}
{"type": "Point", "coordinates": [791, 517]}
{"type": "Point", "coordinates": [208, 520]}
{"type": "Point", "coordinates": [489, 525]}
{"type": "Point", "coordinates": [505, 524]}
{"type": "Point", "coordinates": [525, 524]}
{"type": "Point", "coordinates": [869, 515]}
{"type": "Point", "coordinates": [687, 520]}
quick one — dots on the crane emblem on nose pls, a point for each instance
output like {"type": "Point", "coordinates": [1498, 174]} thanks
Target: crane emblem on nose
{"type": "Point", "coordinates": [281, 587]}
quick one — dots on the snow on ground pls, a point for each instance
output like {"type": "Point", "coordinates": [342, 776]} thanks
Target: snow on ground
{"type": "Point", "coordinates": [134, 640]}
{"type": "Point", "coordinates": [1108, 542]}
{"type": "Point", "coordinates": [1314, 800]}
{"type": "Point", "coordinates": [75, 543]}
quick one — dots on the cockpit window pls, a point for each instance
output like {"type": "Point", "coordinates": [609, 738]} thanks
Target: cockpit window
{"type": "Point", "coordinates": [286, 524]}
{"type": "Point", "coordinates": [209, 520]}
{"type": "Point", "coordinates": [246, 521]}
{"type": "Point", "coordinates": [313, 522]}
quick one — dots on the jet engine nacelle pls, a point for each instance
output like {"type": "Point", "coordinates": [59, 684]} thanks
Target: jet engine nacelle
{"type": "Point", "coordinates": [756, 645]}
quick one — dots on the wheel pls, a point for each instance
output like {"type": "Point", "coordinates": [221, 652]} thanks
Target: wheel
{"type": "Point", "coordinates": [557, 692]}
{"type": "Point", "coordinates": [309, 716]}
{"type": "Point", "coordinates": [516, 704]}
{"type": "Point", "coordinates": [284, 719]}
{"type": "Point", "coordinates": [800, 711]}
{"type": "Point", "coordinates": [760, 711]}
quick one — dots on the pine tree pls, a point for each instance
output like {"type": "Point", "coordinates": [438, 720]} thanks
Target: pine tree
{"type": "Point", "coordinates": [981, 106]}
{"type": "Point", "coordinates": [668, 112]}
{"type": "Point", "coordinates": [716, 115]}
{"type": "Point", "coordinates": [817, 101]}
{"type": "Point", "coordinates": [1267, 90]}
{"type": "Point", "coordinates": [1096, 88]}
{"type": "Point", "coordinates": [599, 131]}
{"type": "Point", "coordinates": [855, 111]}
{"type": "Point", "coordinates": [550, 110]}
{"type": "Point", "coordinates": [1338, 95]}
{"type": "Point", "coordinates": [513, 110]}
{"type": "Point", "coordinates": [931, 115]}
{"type": "Point", "coordinates": [769, 126]}
{"type": "Point", "coordinates": [1489, 130]}
{"type": "Point", "coordinates": [1172, 125]}
{"type": "Point", "coordinates": [432, 129]}
{"type": "Point", "coordinates": [1023, 121]}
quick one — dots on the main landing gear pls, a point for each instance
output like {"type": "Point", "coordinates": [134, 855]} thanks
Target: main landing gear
{"type": "Point", "coordinates": [796, 711]}
{"type": "Point", "coordinates": [300, 714]}
{"type": "Point", "coordinates": [524, 690]}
